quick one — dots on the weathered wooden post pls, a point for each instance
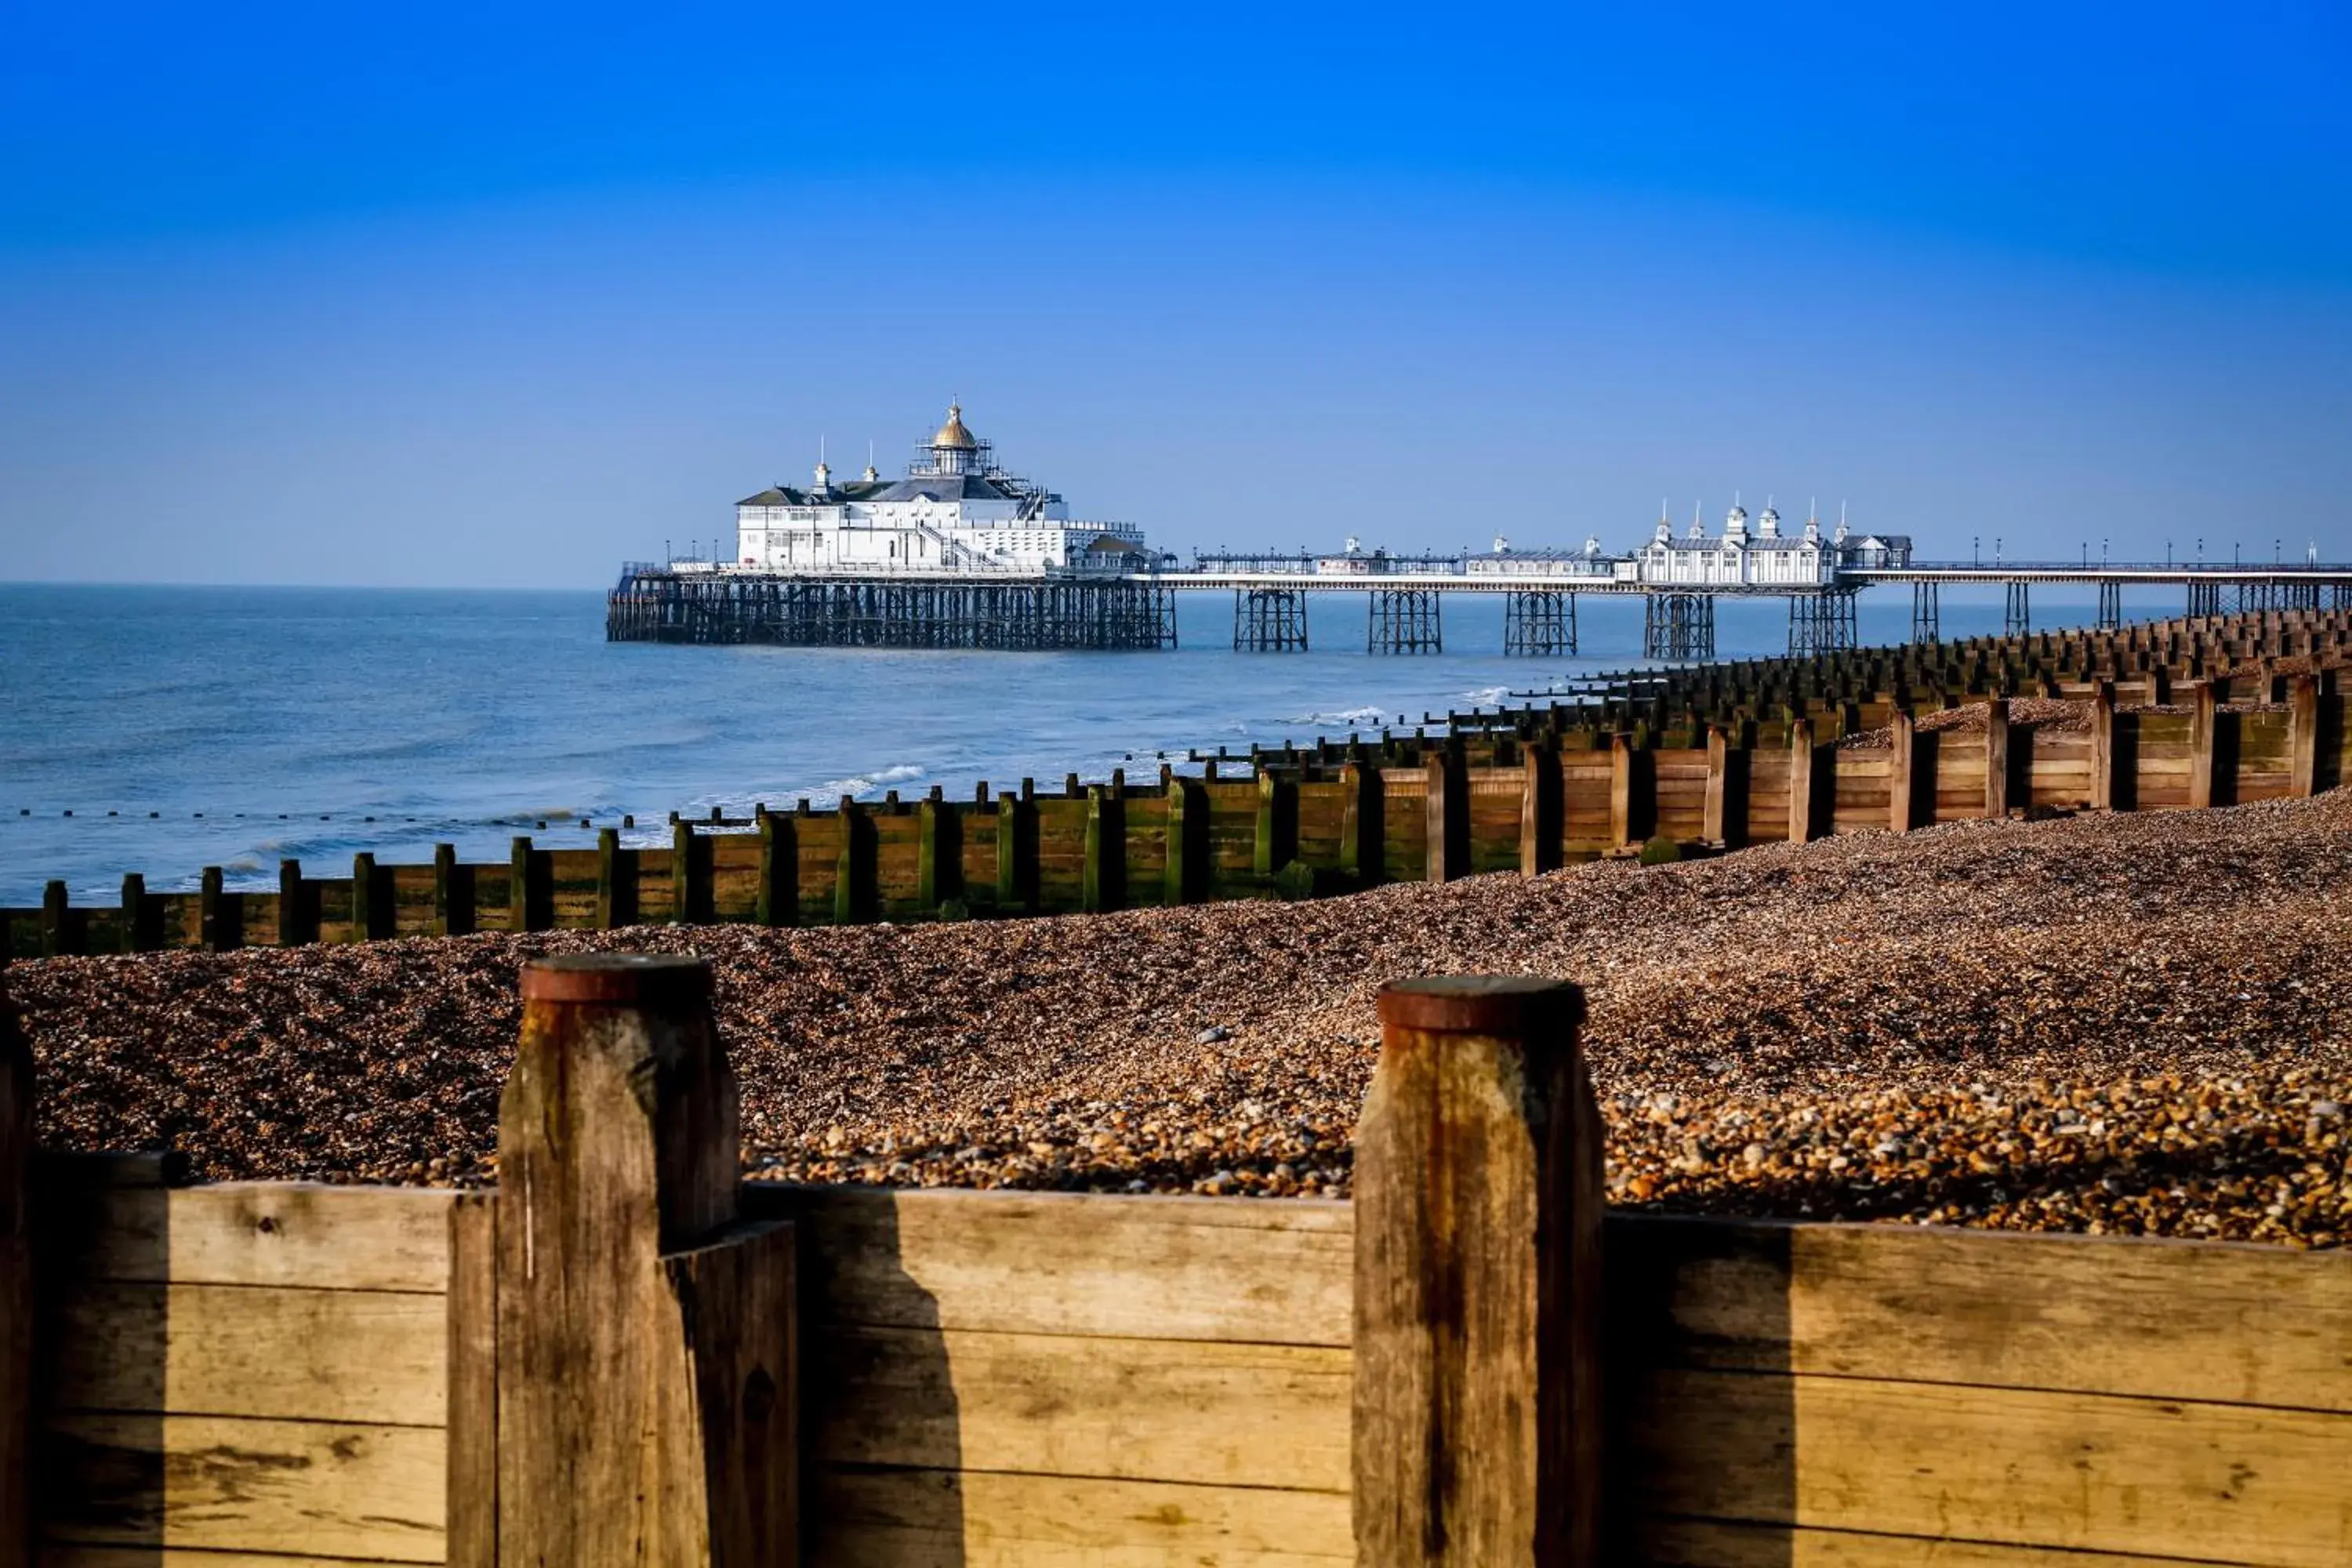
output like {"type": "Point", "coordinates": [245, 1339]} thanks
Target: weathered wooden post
{"type": "Point", "coordinates": [2103, 747]}
{"type": "Point", "coordinates": [1102, 873]}
{"type": "Point", "coordinates": [1803, 821]}
{"type": "Point", "coordinates": [2204, 720]}
{"type": "Point", "coordinates": [1446, 818]}
{"type": "Point", "coordinates": [57, 918]}
{"type": "Point", "coordinates": [296, 925]}
{"type": "Point", "coordinates": [1188, 839]}
{"type": "Point", "coordinates": [681, 871]}
{"type": "Point", "coordinates": [16, 1289]}
{"type": "Point", "coordinates": [1363, 827]}
{"type": "Point", "coordinates": [220, 914]}
{"type": "Point", "coordinates": [1997, 758]}
{"type": "Point", "coordinates": [1477, 1299]}
{"type": "Point", "coordinates": [1008, 853]}
{"type": "Point", "coordinates": [532, 886]}
{"type": "Point", "coordinates": [938, 854]}
{"type": "Point", "coordinates": [1715, 815]}
{"type": "Point", "coordinates": [1901, 791]}
{"type": "Point", "coordinates": [453, 893]}
{"type": "Point", "coordinates": [1265, 835]}
{"type": "Point", "coordinates": [779, 897]}
{"type": "Point", "coordinates": [856, 888]}
{"type": "Point", "coordinates": [1540, 829]}
{"type": "Point", "coordinates": [368, 900]}
{"type": "Point", "coordinates": [617, 881]}
{"type": "Point", "coordinates": [138, 934]}
{"type": "Point", "coordinates": [1620, 789]}
{"type": "Point", "coordinates": [2303, 735]}
{"type": "Point", "coordinates": [689, 875]}
{"type": "Point", "coordinates": [637, 1363]}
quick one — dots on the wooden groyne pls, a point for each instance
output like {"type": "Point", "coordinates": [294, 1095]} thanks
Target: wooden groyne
{"type": "Point", "coordinates": [621, 1343]}
{"type": "Point", "coordinates": [2181, 716]}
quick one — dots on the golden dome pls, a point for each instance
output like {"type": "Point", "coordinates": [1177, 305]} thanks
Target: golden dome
{"type": "Point", "coordinates": [952, 436]}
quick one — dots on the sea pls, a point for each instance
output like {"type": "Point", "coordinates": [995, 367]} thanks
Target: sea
{"type": "Point", "coordinates": [163, 730]}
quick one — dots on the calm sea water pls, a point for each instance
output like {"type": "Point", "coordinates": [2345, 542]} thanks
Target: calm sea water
{"type": "Point", "coordinates": [287, 716]}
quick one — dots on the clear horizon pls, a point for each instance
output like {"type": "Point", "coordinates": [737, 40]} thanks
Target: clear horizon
{"type": "Point", "coordinates": [445, 301]}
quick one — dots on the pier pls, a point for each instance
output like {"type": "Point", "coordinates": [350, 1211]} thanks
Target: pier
{"type": "Point", "coordinates": [695, 603]}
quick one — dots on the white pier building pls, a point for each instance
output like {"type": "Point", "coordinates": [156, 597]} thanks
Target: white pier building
{"type": "Point", "coordinates": [1766, 559]}
{"type": "Point", "coordinates": [956, 510]}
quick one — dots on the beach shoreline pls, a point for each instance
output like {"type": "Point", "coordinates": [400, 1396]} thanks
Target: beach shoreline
{"type": "Point", "coordinates": [2132, 1024]}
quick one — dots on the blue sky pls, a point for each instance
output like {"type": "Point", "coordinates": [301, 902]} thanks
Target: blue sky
{"type": "Point", "coordinates": [481, 295]}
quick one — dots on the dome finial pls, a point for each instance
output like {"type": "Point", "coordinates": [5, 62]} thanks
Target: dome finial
{"type": "Point", "coordinates": [952, 436]}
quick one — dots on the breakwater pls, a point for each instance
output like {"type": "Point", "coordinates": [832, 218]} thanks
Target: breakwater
{"type": "Point", "coordinates": [2170, 716]}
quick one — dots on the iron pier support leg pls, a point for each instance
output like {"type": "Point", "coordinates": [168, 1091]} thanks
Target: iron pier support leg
{"type": "Point", "coordinates": [1679, 627]}
{"type": "Point", "coordinates": [1270, 620]}
{"type": "Point", "coordinates": [1403, 620]}
{"type": "Point", "coordinates": [1926, 620]}
{"type": "Point", "coordinates": [1538, 622]}
{"type": "Point", "coordinates": [2017, 616]}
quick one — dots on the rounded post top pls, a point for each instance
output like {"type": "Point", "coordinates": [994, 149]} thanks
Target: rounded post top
{"type": "Point", "coordinates": [617, 979]}
{"type": "Point", "coordinates": [1502, 1006]}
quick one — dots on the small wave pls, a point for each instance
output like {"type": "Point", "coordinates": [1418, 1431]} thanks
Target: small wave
{"type": "Point", "coordinates": [1485, 694]}
{"type": "Point", "coordinates": [1360, 717]}
{"type": "Point", "coordinates": [862, 784]}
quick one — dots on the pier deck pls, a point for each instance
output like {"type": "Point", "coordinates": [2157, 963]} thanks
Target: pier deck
{"type": "Point", "coordinates": [1010, 611]}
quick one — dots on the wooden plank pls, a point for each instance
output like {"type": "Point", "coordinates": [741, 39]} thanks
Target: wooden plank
{"type": "Point", "coordinates": [2162, 1320]}
{"type": "Point", "coordinates": [1237, 1269]}
{"type": "Point", "coordinates": [1164, 1410]}
{"type": "Point", "coordinates": [2229, 1483]}
{"type": "Point", "coordinates": [67, 1554]}
{"type": "Point", "coordinates": [368, 1357]}
{"type": "Point", "coordinates": [933, 1519]}
{"type": "Point", "coordinates": [472, 1400]}
{"type": "Point", "coordinates": [229, 1484]}
{"type": "Point", "coordinates": [1714, 1543]}
{"type": "Point", "coordinates": [263, 1232]}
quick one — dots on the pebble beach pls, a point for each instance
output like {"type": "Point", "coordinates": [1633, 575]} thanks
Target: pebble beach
{"type": "Point", "coordinates": [2129, 1024]}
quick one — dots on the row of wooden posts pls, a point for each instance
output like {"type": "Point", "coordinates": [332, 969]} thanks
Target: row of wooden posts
{"type": "Point", "coordinates": [624, 1385]}
{"type": "Point", "coordinates": [2149, 659]}
{"type": "Point", "coordinates": [1356, 840]}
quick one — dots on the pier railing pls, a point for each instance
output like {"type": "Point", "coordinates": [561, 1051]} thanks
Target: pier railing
{"type": "Point", "coordinates": [622, 1355]}
{"type": "Point", "coordinates": [2244, 710]}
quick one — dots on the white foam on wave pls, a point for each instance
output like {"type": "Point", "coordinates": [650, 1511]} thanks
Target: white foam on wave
{"type": "Point", "coordinates": [863, 783]}
{"type": "Point", "coordinates": [1485, 694]}
{"type": "Point", "coordinates": [1360, 717]}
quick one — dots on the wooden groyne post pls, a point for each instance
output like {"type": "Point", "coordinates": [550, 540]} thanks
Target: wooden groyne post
{"type": "Point", "coordinates": [622, 1386]}
{"type": "Point", "coordinates": [1476, 1421]}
